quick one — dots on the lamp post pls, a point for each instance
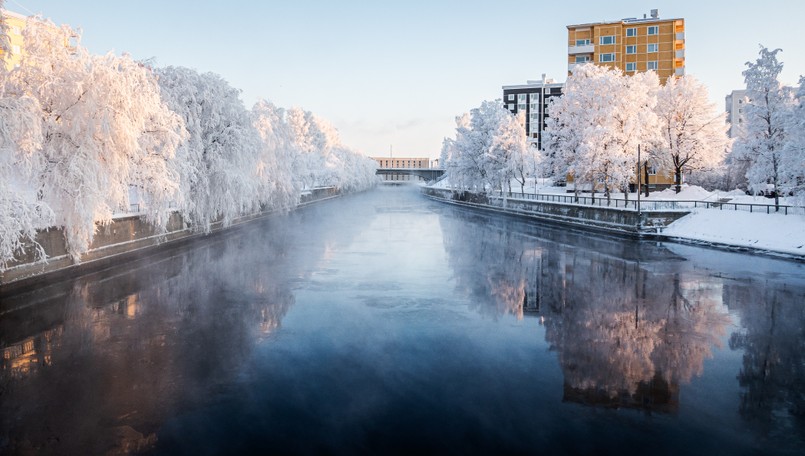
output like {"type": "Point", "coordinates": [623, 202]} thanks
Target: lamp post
{"type": "Point", "coordinates": [638, 187]}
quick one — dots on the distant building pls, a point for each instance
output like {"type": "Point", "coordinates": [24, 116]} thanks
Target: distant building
{"type": "Point", "coordinates": [394, 163]}
{"type": "Point", "coordinates": [532, 99]}
{"type": "Point", "coordinates": [735, 103]}
{"type": "Point", "coordinates": [631, 44]}
{"type": "Point", "coordinates": [15, 24]}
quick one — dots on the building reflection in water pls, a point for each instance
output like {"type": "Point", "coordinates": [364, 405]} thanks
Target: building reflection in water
{"type": "Point", "coordinates": [627, 327]}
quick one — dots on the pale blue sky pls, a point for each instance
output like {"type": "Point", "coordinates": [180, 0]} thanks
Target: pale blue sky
{"type": "Point", "coordinates": [398, 72]}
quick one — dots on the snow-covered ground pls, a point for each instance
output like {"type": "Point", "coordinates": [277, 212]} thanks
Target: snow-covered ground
{"type": "Point", "coordinates": [773, 232]}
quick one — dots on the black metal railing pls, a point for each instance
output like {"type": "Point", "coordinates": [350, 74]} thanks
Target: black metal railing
{"type": "Point", "coordinates": [650, 205]}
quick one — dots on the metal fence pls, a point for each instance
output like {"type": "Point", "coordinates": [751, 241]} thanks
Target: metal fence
{"type": "Point", "coordinates": [651, 205]}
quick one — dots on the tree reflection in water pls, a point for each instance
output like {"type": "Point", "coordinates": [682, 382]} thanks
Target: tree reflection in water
{"type": "Point", "coordinates": [772, 338]}
{"type": "Point", "coordinates": [627, 328]}
{"type": "Point", "coordinates": [97, 364]}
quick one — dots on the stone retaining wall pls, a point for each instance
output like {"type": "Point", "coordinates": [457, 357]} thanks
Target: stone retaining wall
{"type": "Point", "coordinates": [620, 220]}
{"type": "Point", "coordinates": [116, 241]}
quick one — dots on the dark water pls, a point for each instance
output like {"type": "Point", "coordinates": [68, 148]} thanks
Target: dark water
{"type": "Point", "coordinates": [386, 323]}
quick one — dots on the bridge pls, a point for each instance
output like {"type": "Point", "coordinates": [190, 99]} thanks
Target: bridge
{"type": "Point", "coordinates": [427, 174]}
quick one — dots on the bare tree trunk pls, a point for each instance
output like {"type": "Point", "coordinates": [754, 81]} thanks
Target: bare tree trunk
{"type": "Point", "coordinates": [678, 178]}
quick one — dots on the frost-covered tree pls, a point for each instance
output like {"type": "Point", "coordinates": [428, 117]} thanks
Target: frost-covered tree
{"type": "Point", "coordinates": [219, 158]}
{"type": "Point", "coordinates": [448, 145]}
{"type": "Point", "coordinates": [321, 158]}
{"type": "Point", "coordinates": [277, 188]}
{"type": "Point", "coordinates": [104, 130]}
{"type": "Point", "coordinates": [313, 145]}
{"type": "Point", "coordinates": [594, 130]}
{"type": "Point", "coordinates": [561, 138]}
{"type": "Point", "coordinates": [454, 166]}
{"type": "Point", "coordinates": [694, 132]}
{"type": "Point", "coordinates": [794, 153]}
{"type": "Point", "coordinates": [21, 213]}
{"type": "Point", "coordinates": [521, 159]}
{"type": "Point", "coordinates": [486, 144]}
{"type": "Point", "coordinates": [763, 138]}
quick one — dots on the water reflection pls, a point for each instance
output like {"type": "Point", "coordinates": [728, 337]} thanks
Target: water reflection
{"type": "Point", "coordinates": [772, 339]}
{"type": "Point", "coordinates": [628, 328]}
{"type": "Point", "coordinates": [332, 330]}
{"type": "Point", "coordinates": [96, 365]}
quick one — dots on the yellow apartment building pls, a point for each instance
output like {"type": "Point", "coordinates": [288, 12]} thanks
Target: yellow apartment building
{"type": "Point", "coordinates": [632, 45]}
{"type": "Point", "coordinates": [15, 24]}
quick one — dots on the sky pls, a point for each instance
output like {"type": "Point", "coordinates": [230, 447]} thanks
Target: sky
{"type": "Point", "coordinates": [393, 75]}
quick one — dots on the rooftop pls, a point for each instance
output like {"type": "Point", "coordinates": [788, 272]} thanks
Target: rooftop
{"type": "Point", "coordinates": [655, 17]}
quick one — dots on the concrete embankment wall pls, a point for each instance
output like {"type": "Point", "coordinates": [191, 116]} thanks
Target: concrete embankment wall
{"type": "Point", "coordinates": [118, 241]}
{"type": "Point", "coordinates": [610, 219]}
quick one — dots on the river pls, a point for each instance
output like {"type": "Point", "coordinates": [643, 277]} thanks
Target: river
{"type": "Point", "coordinates": [388, 323]}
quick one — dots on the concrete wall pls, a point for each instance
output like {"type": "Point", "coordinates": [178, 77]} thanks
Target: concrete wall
{"type": "Point", "coordinates": [612, 219]}
{"type": "Point", "coordinates": [116, 242]}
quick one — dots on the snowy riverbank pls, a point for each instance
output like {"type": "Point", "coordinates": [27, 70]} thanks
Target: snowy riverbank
{"type": "Point", "coordinates": [773, 233]}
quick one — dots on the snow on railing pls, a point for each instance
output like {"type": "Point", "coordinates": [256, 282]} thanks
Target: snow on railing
{"type": "Point", "coordinates": [649, 205]}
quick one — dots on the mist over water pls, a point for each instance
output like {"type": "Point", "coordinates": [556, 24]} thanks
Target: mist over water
{"type": "Point", "coordinates": [387, 323]}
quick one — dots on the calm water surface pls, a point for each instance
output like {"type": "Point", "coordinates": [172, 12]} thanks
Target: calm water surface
{"type": "Point", "coordinates": [386, 323]}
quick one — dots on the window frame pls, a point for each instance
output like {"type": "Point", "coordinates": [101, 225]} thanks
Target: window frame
{"type": "Point", "coordinates": [610, 54]}
{"type": "Point", "coordinates": [603, 37]}
{"type": "Point", "coordinates": [654, 28]}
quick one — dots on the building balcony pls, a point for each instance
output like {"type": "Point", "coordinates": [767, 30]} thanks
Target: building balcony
{"type": "Point", "coordinates": [680, 71]}
{"type": "Point", "coordinates": [680, 54]}
{"type": "Point", "coordinates": [586, 49]}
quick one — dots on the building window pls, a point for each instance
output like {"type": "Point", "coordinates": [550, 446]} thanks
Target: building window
{"type": "Point", "coordinates": [631, 67]}
{"type": "Point", "coordinates": [652, 171]}
{"type": "Point", "coordinates": [609, 39]}
{"type": "Point", "coordinates": [606, 57]}
{"type": "Point", "coordinates": [631, 32]}
{"type": "Point", "coordinates": [631, 49]}
{"type": "Point", "coordinates": [510, 97]}
{"type": "Point", "coordinates": [521, 107]}
{"type": "Point", "coordinates": [582, 42]}
{"type": "Point", "coordinates": [582, 58]}
{"type": "Point", "coordinates": [511, 106]}
{"type": "Point", "coordinates": [652, 65]}
{"type": "Point", "coordinates": [534, 97]}
{"type": "Point", "coordinates": [653, 30]}
{"type": "Point", "coordinates": [652, 47]}
{"type": "Point", "coordinates": [534, 106]}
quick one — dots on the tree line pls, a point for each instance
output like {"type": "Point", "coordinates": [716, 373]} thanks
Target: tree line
{"type": "Point", "coordinates": [594, 131]}
{"type": "Point", "coordinates": [82, 136]}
